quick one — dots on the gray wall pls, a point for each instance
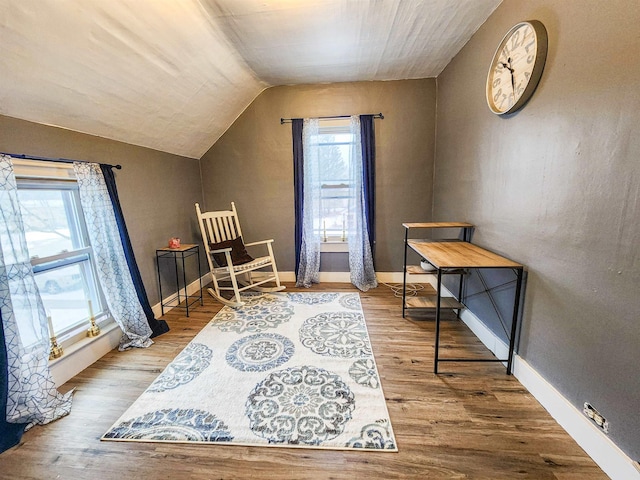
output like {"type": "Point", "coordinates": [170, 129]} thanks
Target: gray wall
{"type": "Point", "coordinates": [252, 163]}
{"type": "Point", "coordinates": [557, 187]}
{"type": "Point", "coordinates": [157, 190]}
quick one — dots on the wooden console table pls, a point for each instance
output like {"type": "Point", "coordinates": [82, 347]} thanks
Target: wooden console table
{"type": "Point", "coordinates": [452, 256]}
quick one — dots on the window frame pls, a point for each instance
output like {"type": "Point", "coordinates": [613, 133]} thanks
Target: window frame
{"type": "Point", "coordinates": [335, 242]}
{"type": "Point", "coordinates": [62, 178]}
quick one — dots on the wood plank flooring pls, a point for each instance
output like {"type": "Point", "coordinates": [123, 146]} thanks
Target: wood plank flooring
{"type": "Point", "coordinates": [472, 421]}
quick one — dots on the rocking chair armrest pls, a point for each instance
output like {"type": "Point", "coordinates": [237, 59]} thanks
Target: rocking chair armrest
{"type": "Point", "coordinates": [221, 250]}
{"type": "Point", "coordinates": [261, 242]}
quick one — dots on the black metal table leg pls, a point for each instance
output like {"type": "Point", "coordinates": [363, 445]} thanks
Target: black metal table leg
{"type": "Point", "coordinates": [159, 283]}
{"type": "Point", "coordinates": [404, 270]}
{"type": "Point", "coordinates": [437, 342]}
{"type": "Point", "coordinates": [184, 283]}
{"type": "Point", "coordinates": [200, 276]}
{"type": "Point", "coordinates": [175, 262]}
{"type": "Point", "coordinates": [514, 321]}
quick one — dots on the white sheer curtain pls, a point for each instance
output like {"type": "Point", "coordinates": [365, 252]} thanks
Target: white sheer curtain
{"type": "Point", "coordinates": [309, 269]}
{"type": "Point", "coordinates": [32, 396]}
{"type": "Point", "coordinates": [363, 275]}
{"type": "Point", "coordinates": [361, 268]}
{"type": "Point", "coordinates": [112, 269]}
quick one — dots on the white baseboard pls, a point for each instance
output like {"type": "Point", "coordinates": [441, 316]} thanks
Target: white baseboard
{"type": "Point", "coordinates": [192, 288]}
{"type": "Point", "coordinates": [345, 277]}
{"type": "Point", "coordinates": [327, 277]}
{"type": "Point", "coordinates": [613, 461]}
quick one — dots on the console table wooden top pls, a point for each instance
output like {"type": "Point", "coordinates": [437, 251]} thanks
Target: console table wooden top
{"type": "Point", "coordinates": [459, 255]}
{"type": "Point", "coordinates": [437, 225]}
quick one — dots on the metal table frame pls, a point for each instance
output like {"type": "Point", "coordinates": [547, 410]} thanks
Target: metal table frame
{"type": "Point", "coordinates": [447, 256]}
{"type": "Point", "coordinates": [185, 251]}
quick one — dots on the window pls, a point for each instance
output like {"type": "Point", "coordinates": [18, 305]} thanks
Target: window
{"type": "Point", "coordinates": [335, 142]}
{"type": "Point", "coordinates": [334, 176]}
{"type": "Point", "coordinates": [61, 255]}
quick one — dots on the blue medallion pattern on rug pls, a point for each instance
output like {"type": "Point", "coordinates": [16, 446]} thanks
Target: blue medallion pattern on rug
{"type": "Point", "coordinates": [363, 372]}
{"type": "Point", "coordinates": [301, 405]}
{"type": "Point", "coordinates": [292, 369]}
{"type": "Point", "coordinates": [173, 425]}
{"type": "Point", "coordinates": [374, 436]}
{"type": "Point", "coordinates": [336, 334]}
{"type": "Point", "coordinates": [190, 363]}
{"type": "Point", "coordinates": [312, 298]}
{"type": "Point", "coordinates": [260, 352]}
{"type": "Point", "coordinates": [259, 313]}
{"type": "Point", "coordinates": [351, 301]}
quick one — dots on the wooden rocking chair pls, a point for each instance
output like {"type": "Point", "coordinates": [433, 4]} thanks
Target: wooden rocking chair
{"type": "Point", "coordinates": [228, 259]}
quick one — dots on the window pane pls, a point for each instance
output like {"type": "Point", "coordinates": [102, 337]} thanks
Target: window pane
{"type": "Point", "coordinates": [61, 260]}
{"type": "Point", "coordinates": [334, 210]}
{"type": "Point", "coordinates": [334, 155]}
{"type": "Point", "coordinates": [64, 295]}
{"type": "Point", "coordinates": [50, 222]}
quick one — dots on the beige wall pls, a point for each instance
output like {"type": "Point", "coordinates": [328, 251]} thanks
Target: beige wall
{"type": "Point", "coordinates": [252, 164]}
{"type": "Point", "coordinates": [557, 187]}
{"type": "Point", "coordinates": [157, 190]}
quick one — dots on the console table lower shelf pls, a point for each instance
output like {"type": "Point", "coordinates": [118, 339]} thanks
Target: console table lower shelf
{"type": "Point", "coordinates": [431, 302]}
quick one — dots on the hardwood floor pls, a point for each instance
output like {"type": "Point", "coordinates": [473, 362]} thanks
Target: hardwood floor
{"type": "Point", "coordinates": [471, 422]}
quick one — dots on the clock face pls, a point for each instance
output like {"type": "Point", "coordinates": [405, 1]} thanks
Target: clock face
{"type": "Point", "coordinates": [516, 67]}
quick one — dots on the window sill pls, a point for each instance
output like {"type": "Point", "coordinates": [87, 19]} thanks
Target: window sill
{"type": "Point", "coordinates": [334, 247]}
{"type": "Point", "coordinates": [78, 333]}
{"type": "Point", "coordinates": [84, 342]}
{"type": "Point", "coordinates": [84, 353]}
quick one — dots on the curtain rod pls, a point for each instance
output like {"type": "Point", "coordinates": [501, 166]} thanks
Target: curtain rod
{"type": "Point", "coordinates": [288, 120]}
{"type": "Point", "coordinates": [59, 160]}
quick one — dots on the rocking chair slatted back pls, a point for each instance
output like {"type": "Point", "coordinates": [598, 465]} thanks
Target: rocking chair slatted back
{"type": "Point", "coordinates": [220, 226]}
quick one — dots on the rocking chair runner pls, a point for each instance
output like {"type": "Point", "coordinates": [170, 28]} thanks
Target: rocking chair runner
{"type": "Point", "coordinates": [224, 227]}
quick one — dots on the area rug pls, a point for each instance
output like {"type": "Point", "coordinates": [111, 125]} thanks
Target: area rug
{"type": "Point", "coordinates": [285, 369]}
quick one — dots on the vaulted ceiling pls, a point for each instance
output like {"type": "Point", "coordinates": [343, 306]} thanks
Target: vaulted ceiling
{"type": "Point", "coordinates": [173, 75]}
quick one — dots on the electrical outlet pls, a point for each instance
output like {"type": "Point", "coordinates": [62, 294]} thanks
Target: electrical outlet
{"type": "Point", "coordinates": [595, 416]}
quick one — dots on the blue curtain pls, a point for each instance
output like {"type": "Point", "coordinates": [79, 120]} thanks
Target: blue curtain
{"type": "Point", "coordinates": [369, 176]}
{"type": "Point", "coordinates": [298, 176]}
{"type": "Point", "coordinates": [10, 433]}
{"type": "Point", "coordinates": [158, 327]}
{"type": "Point", "coordinates": [309, 268]}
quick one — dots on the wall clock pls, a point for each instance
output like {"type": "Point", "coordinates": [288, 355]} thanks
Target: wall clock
{"type": "Point", "coordinates": [516, 67]}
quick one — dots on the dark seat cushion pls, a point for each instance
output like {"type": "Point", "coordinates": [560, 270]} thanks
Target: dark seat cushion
{"type": "Point", "coordinates": [239, 253]}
